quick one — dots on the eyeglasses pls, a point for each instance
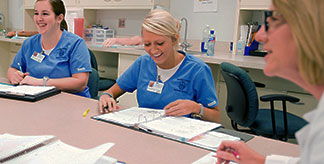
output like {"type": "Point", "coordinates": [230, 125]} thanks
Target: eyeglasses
{"type": "Point", "coordinates": [266, 15]}
{"type": "Point", "coordinates": [276, 19]}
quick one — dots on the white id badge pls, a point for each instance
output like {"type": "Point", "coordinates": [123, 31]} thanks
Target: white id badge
{"type": "Point", "coordinates": [38, 57]}
{"type": "Point", "coordinates": [155, 87]}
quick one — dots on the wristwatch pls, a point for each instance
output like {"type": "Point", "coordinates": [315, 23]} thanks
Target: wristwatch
{"type": "Point", "coordinates": [45, 79]}
{"type": "Point", "coordinates": [201, 113]}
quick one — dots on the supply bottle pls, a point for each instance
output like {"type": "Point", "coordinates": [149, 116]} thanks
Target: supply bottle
{"type": "Point", "coordinates": [241, 43]}
{"type": "Point", "coordinates": [205, 35]}
{"type": "Point", "coordinates": [211, 43]}
{"type": "Point", "coordinates": [240, 46]}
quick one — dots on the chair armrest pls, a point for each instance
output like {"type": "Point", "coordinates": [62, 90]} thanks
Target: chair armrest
{"type": "Point", "coordinates": [259, 85]}
{"type": "Point", "coordinates": [279, 97]}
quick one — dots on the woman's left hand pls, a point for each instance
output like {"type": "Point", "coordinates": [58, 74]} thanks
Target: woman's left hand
{"type": "Point", "coordinates": [181, 107]}
{"type": "Point", "coordinates": [29, 80]}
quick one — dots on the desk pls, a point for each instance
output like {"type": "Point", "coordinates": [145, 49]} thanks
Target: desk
{"type": "Point", "coordinates": [61, 115]}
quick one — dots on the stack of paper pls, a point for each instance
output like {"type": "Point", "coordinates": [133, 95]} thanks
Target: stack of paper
{"type": "Point", "coordinates": [48, 149]}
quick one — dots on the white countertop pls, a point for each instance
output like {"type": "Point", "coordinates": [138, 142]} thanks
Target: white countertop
{"type": "Point", "coordinates": [242, 61]}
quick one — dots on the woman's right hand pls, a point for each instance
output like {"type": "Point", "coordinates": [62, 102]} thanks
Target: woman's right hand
{"type": "Point", "coordinates": [243, 153]}
{"type": "Point", "coordinates": [17, 77]}
{"type": "Point", "coordinates": [107, 104]}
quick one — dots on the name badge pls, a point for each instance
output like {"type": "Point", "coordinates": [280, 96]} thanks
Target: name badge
{"type": "Point", "coordinates": [38, 57]}
{"type": "Point", "coordinates": [155, 87]}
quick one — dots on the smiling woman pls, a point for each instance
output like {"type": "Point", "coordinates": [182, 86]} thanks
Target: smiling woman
{"type": "Point", "coordinates": [294, 39]}
{"type": "Point", "coordinates": [54, 57]}
{"type": "Point", "coordinates": [165, 78]}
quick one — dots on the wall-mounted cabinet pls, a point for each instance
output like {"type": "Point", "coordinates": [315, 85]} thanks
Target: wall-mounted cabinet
{"type": "Point", "coordinates": [248, 11]}
{"type": "Point", "coordinates": [255, 4]}
{"type": "Point", "coordinates": [29, 4]}
{"type": "Point", "coordinates": [90, 8]}
{"type": "Point", "coordinates": [116, 4]}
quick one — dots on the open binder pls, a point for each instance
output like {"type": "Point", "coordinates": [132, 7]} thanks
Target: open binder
{"type": "Point", "coordinates": [154, 121]}
{"type": "Point", "coordinates": [49, 149]}
{"type": "Point", "coordinates": [27, 92]}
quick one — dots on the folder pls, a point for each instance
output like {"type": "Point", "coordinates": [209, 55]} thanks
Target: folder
{"type": "Point", "coordinates": [154, 121]}
{"type": "Point", "coordinates": [27, 92]}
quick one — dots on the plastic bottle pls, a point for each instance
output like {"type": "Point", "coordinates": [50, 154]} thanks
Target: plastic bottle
{"type": "Point", "coordinates": [205, 35]}
{"type": "Point", "coordinates": [240, 46]}
{"type": "Point", "coordinates": [211, 43]}
{"type": "Point", "coordinates": [241, 43]}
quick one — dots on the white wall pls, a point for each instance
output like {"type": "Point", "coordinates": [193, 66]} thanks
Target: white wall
{"type": "Point", "coordinates": [222, 20]}
{"type": "Point", "coordinates": [15, 15]}
{"type": "Point", "coordinates": [133, 20]}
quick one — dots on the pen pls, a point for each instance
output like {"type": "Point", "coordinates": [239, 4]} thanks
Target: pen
{"type": "Point", "coordinates": [19, 66]}
{"type": "Point", "coordinates": [85, 113]}
{"type": "Point", "coordinates": [233, 152]}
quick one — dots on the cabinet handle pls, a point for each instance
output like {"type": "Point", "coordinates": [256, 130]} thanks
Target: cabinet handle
{"type": "Point", "coordinates": [107, 0]}
{"type": "Point", "coordinates": [298, 103]}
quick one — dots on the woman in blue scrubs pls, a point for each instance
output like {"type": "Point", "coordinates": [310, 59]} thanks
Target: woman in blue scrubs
{"type": "Point", "coordinates": [54, 57]}
{"type": "Point", "coordinates": [165, 78]}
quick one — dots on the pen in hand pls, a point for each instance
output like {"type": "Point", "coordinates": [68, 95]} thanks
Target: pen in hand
{"type": "Point", "coordinates": [19, 66]}
{"type": "Point", "coordinates": [230, 150]}
{"type": "Point", "coordinates": [233, 152]}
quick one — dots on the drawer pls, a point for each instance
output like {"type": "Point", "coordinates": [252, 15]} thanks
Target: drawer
{"type": "Point", "coordinates": [15, 47]}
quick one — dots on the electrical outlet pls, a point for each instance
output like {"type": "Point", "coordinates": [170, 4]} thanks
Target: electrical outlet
{"type": "Point", "coordinates": [121, 23]}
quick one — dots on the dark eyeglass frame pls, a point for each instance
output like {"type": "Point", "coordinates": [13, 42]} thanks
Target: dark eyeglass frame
{"type": "Point", "coordinates": [267, 14]}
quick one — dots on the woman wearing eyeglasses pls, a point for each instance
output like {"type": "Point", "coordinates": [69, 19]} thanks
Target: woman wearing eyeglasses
{"type": "Point", "coordinates": [293, 35]}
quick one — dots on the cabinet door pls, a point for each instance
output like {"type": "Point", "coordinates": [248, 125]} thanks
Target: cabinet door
{"type": "Point", "coordinates": [29, 4]}
{"type": "Point", "coordinates": [116, 3]}
{"type": "Point", "coordinates": [126, 60]}
{"type": "Point", "coordinates": [255, 4]}
{"type": "Point", "coordinates": [70, 3]}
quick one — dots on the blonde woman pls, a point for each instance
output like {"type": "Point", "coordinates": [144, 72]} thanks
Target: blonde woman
{"type": "Point", "coordinates": [165, 78]}
{"type": "Point", "coordinates": [293, 36]}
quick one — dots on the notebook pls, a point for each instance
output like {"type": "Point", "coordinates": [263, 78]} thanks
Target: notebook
{"type": "Point", "coordinates": [212, 140]}
{"type": "Point", "coordinates": [154, 121]}
{"type": "Point", "coordinates": [48, 149]}
{"type": "Point", "coordinates": [208, 159]}
{"type": "Point", "coordinates": [27, 92]}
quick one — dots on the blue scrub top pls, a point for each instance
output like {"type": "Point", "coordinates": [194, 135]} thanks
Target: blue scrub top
{"type": "Point", "coordinates": [192, 81]}
{"type": "Point", "coordinates": [70, 56]}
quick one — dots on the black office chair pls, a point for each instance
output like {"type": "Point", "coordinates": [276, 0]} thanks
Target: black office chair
{"type": "Point", "coordinates": [93, 83]}
{"type": "Point", "coordinates": [242, 107]}
{"type": "Point", "coordinates": [104, 83]}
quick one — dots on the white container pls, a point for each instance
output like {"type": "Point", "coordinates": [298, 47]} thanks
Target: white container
{"type": "Point", "coordinates": [99, 35]}
{"type": "Point", "coordinates": [102, 34]}
{"type": "Point", "coordinates": [89, 35]}
{"type": "Point", "coordinates": [109, 33]}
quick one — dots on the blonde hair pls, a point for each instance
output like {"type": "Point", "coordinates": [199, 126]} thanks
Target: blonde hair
{"type": "Point", "coordinates": [305, 18]}
{"type": "Point", "coordinates": [161, 22]}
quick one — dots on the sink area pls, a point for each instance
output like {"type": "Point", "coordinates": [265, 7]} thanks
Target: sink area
{"type": "Point", "coordinates": [195, 52]}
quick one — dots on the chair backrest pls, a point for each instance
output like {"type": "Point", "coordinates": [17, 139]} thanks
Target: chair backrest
{"type": "Point", "coordinates": [93, 83]}
{"type": "Point", "coordinates": [93, 60]}
{"type": "Point", "coordinates": [242, 99]}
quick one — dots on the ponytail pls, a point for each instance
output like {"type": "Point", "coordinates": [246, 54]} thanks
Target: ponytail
{"type": "Point", "coordinates": [63, 25]}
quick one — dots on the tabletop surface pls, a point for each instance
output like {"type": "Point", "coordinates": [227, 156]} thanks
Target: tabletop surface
{"type": "Point", "coordinates": [61, 115]}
